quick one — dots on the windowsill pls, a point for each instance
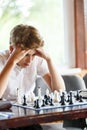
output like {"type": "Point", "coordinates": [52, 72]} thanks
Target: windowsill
{"type": "Point", "coordinates": [70, 71]}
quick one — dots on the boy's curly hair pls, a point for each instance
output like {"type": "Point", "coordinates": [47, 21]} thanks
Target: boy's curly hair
{"type": "Point", "coordinates": [27, 36]}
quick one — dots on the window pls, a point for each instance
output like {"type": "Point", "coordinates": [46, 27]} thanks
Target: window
{"type": "Point", "coordinates": [46, 15]}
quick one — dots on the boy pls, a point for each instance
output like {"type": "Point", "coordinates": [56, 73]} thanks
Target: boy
{"type": "Point", "coordinates": [25, 59]}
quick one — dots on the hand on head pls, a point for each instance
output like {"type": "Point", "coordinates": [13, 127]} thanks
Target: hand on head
{"type": "Point", "coordinates": [42, 53]}
{"type": "Point", "coordinates": [18, 53]}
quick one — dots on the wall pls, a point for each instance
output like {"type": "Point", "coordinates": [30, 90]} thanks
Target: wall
{"type": "Point", "coordinates": [69, 32]}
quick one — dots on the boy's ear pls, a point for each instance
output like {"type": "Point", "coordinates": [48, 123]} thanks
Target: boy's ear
{"type": "Point", "coordinates": [11, 48]}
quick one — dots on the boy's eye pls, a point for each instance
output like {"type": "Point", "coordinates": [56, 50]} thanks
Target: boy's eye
{"type": "Point", "coordinates": [27, 55]}
{"type": "Point", "coordinates": [34, 54]}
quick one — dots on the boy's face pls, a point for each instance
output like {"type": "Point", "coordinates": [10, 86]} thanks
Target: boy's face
{"type": "Point", "coordinates": [27, 59]}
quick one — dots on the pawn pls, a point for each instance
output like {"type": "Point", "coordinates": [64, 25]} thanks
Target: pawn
{"type": "Point", "coordinates": [68, 98]}
{"type": "Point", "coordinates": [43, 104]}
{"type": "Point", "coordinates": [37, 103]}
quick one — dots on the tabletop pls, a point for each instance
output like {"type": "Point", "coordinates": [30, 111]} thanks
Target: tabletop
{"type": "Point", "coordinates": [24, 116]}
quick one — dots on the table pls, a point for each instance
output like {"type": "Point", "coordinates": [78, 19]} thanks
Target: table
{"type": "Point", "coordinates": [25, 117]}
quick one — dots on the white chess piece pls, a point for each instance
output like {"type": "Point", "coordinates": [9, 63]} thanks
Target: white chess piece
{"type": "Point", "coordinates": [32, 97]}
{"type": "Point", "coordinates": [52, 95]}
{"type": "Point", "coordinates": [39, 96]}
{"type": "Point", "coordinates": [29, 98]}
{"type": "Point", "coordinates": [47, 92]}
{"type": "Point", "coordinates": [39, 92]}
{"type": "Point", "coordinates": [56, 96]}
{"type": "Point", "coordinates": [18, 96]}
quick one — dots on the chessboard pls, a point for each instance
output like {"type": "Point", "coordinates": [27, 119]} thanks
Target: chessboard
{"type": "Point", "coordinates": [54, 100]}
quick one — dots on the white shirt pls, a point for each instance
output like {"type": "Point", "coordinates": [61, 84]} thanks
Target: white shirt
{"type": "Point", "coordinates": [23, 78]}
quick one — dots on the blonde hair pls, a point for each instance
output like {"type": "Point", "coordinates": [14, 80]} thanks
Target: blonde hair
{"type": "Point", "coordinates": [27, 36]}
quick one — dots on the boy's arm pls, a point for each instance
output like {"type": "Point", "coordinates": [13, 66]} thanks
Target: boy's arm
{"type": "Point", "coordinates": [13, 59]}
{"type": "Point", "coordinates": [53, 78]}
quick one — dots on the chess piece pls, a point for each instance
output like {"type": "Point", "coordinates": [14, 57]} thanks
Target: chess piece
{"type": "Point", "coordinates": [51, 95]}
{"type": "Point", "coordinates": [77, 96]}
{"type": "Point", "coordinates": [46, 99]}
{"type": "Point", "coordinates": [80, 99]}
{"type": "Point", "coordinates": [37, 103]}
{"type": "Point", "coordinates": [32, 97]}
{"type": "Point", "coordinates": [45, 96]}
{"type": "Point", "coordinates": [51, 102]}
{"type": "Point", "coordinates": [43, 103]}
{"type": "Point", "coordinates": [56, 96]}
{"type": "Point", "coordinates": [24, 103]}
{"type": "Point", "coordinates": [39, 93]}
{"type": "Point", "coordinates": [47, 92]}
{"type": "Point", "coordinates": [71, 101]}
{"type": "Point", "coordinates": [18, 96]}
{"type": "Point", "coordinates": [68, 98]}
{"type": "Point", "coordinates": [62, 99]}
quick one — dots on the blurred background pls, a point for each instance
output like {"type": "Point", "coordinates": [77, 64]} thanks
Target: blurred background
{"type": "Point", "coordinates": [60, 22]}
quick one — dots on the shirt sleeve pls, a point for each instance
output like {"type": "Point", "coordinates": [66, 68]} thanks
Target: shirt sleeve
{"type": "Point", "coordinates": [42, 67]}
{"type": "Point", "coordinates": [3, 58]}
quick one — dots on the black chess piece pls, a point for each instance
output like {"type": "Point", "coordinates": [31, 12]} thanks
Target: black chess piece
{"type": "Point", "coordinates": [34, 103]}
{"type": "Point", "coordinates": [24, 103]}
{"type": "Point", "coordinates": [45, 96]}
{"type": "Point", "coordinates": [37, 104]}
{"type": "Point", "coordinates": [43, 104]}
{"type": "Point", "coordinates": [51, 102]}
{"type": "Point", "coordinates": [77, 96]}
{"type": "Point", "coordinates": [63, 99]}
{"type": "Point", "coordinates": [68, 98]}
{"type": "Point", "coordinates": [46, 99]}
{"type": "Point", "coordinates": [80, 99]}
{"type": "Point", "coordinates": [71, 98]}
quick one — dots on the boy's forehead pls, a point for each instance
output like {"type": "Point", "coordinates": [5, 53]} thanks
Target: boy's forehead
{"type": "Point", "coordinates": [32, 51]}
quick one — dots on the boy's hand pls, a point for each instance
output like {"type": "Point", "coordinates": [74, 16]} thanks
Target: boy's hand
{"type": "Point", "coordinates": [18, 53]}
{"type": "Point", "coordinates": [42, 53]}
